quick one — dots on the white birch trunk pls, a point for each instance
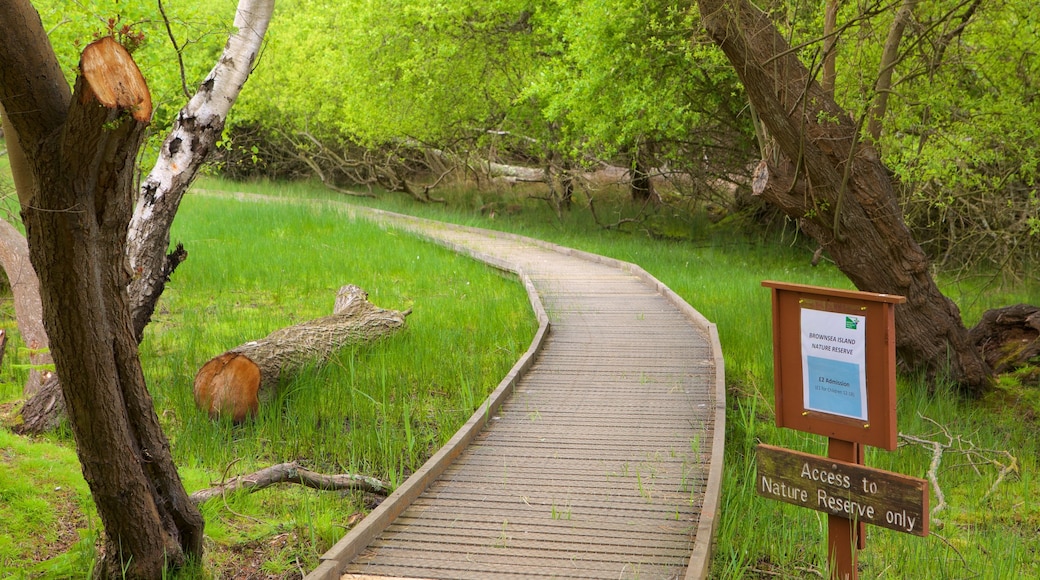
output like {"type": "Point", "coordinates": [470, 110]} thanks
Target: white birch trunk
{"type": "Point", "coordinates": [194, 134]}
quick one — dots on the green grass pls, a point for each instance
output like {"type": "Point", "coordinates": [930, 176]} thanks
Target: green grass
{"type": "Point", "coordinates": [382, 408]}
{"type": "Point", "coordinates": [720, 273]}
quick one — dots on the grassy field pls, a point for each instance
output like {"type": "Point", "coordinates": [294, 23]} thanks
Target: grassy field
{"type": "Point", "coordinates": [378, 410]}
{"type": "Point", "coordinates": [383, 408]}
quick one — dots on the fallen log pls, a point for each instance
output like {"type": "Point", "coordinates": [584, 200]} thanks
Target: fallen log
{"type": "Point", "coordinates": [292, 473]}
{"type": "Point", "coordinates": [234, 383]}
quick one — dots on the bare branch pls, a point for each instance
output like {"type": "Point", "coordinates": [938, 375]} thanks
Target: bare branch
{"type": "Point", "coordinates": [291, 472]}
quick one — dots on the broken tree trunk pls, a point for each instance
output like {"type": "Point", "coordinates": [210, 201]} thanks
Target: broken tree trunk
{"type": "Point", "coordinates": [191, 138]}
{"type": "Point", "coordinates": [1008, 337]}
{"type": "Point", "coordinates": [81, 145]}
{"type": "Point", "coordinates": [234, 383]}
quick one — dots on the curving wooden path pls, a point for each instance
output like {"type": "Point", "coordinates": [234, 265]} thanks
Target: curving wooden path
{"type": "Point", "coordinates": [598, 456]}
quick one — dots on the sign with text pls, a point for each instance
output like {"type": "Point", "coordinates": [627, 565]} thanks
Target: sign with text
{"type": "Point", "coordinates": [834, 363]}
{"type": "Point", "coordinates": [844, 489]}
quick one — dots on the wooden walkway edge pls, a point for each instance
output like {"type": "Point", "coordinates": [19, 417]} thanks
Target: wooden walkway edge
{"type": "Point", "coordinates": [681, 550]}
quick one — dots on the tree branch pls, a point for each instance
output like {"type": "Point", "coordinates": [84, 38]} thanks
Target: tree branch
{"type": "Point", "coordinates": [291, 472]}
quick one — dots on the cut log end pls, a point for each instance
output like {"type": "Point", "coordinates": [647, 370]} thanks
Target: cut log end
{"type": "Point", "coordinates": [114, 79]}
{"type": "Point", "coordinates": [228, 386]}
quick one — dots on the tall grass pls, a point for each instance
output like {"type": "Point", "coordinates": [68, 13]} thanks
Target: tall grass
{"type": "Point", "coordinates": [379, 409]}
{"type": "Point", "coordinates": [382, 408]}
{"type": "Point", "coordinates": [719, 271]}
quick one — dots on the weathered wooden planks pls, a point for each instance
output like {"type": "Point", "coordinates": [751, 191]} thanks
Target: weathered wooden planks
{"type": "Point", "coordinates": [604, 459]}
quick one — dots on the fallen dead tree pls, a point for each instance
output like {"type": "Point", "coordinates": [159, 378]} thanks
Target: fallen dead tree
{"type": "Point", "coordinates": [292, 473]}
{"type": "Point", "coordinates": [234, 383]}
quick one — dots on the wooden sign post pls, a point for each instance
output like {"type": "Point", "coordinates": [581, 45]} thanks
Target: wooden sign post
{"type": "Point", "coordinates": [835, 375]}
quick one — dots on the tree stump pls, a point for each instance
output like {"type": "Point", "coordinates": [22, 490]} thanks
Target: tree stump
{"type": "Point", "coordinates": [234, 383]}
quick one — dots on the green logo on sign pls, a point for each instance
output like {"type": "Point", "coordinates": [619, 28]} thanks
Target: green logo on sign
{"type": "Point", "coordinates": [851, 322]}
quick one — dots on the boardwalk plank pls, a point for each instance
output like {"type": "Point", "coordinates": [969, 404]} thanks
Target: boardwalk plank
{"type": "Point", "coordinates": [603, 461]}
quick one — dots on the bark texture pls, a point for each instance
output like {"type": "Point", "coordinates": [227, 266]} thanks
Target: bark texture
{"type": "Point", "coordinates": [234, 383]}
{"type": "Point", "coordinates": [839, 191]}
{"type": "Point", "coordinates": [1008, 337]}
{"type": "Point", "coordinates": [81, 147]}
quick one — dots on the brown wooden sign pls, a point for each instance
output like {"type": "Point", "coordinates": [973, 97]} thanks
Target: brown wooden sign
{"type": "Point", "coordinates": [834, 362]}
{"type": "Point", "coordinates": [844, 489]}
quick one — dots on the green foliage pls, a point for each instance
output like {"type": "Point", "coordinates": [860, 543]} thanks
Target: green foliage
{"type": "Point", "coordinates": [624, 72]}
{"type": "Point", "coordinates": [378, 72]}
{"type": "Point", "coordinates": [961, 126]}
{"type": "Point", "coordinates": [557, 84]}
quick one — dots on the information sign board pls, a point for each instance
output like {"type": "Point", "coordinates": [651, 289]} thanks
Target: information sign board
{"type": "Point", "coordinates": [834, 362]}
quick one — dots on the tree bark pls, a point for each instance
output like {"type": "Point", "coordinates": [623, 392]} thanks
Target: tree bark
{"type": "Point", "coordinates": [840, 192]}
{"type": "Point", "coordinates": [1008, 337]}
{"type": "Point", "coordinates": [234, 383]}
{"type": "Point", "coordinates": [194, 134]}
{"type": "Point", "coordinates": [889, 59]}
{"type": "Point", "coordinates": [81, 149]}
{"type": "Point", "coordinates": [830, 45]}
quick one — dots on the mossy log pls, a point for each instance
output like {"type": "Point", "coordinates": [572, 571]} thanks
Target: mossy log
{"type": "Point", "coordinates": [234, 383]}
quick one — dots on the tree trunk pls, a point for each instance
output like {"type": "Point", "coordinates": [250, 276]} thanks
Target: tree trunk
{"type": "Point", "coordinates": [199, 123]}
{"type": "Point", "coordinates": [830, 45]}
{"type": "Point", "coordinates": [234, 383]}
{"type": "Point", "coordinates": [1008, 337]}
{"type": "Point", "coordinates": [81, 149]}
{"type": "Point", "coordinates": [840, 192]}
{"type": "Point", "coordinates": [642, 187]}
{"type": "Point", "coordinates": [194, 134]}
{"type": "Point", "coordinates": [28, 312]}
{"type": "Point", "coordinates": [889, 59]}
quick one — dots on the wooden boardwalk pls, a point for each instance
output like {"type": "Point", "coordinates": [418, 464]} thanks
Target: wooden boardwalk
{"type": "Point", "coordinates": [598, 456]}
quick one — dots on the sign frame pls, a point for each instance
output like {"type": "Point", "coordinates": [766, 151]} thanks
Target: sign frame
{"type": "Point", "coordinates": [878, 429]}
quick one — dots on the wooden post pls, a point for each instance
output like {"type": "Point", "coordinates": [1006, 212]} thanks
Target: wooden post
{"type": "Point", "coordinates": [845, 537]}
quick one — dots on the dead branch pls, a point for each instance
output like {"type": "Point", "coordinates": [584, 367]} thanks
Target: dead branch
{"type": "Point", "coordinates": [291, 472]}
{"type": "Point", "coordinates": [973, 453]}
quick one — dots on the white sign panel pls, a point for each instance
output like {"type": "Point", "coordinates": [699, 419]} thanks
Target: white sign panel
{"type": "Point", "coordinates": [834, 376]}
